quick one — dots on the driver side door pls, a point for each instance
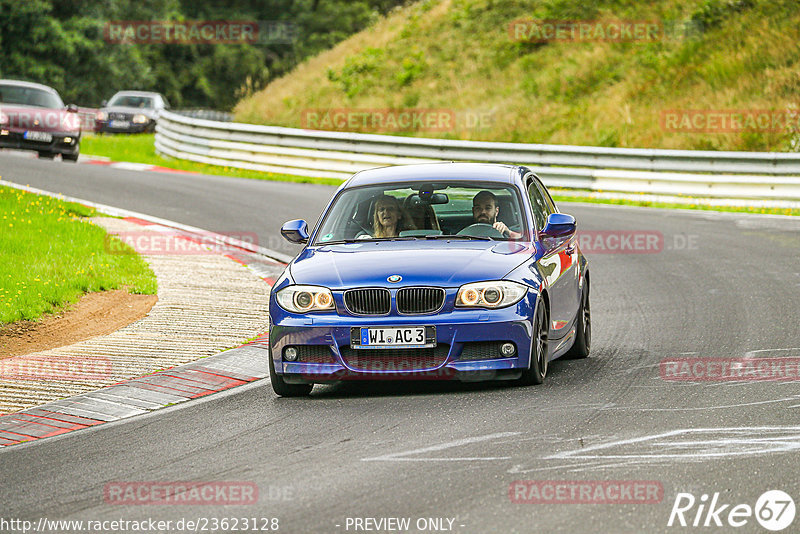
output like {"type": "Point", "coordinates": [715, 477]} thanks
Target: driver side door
{"type": "Point", "coordinates": [558, 265]}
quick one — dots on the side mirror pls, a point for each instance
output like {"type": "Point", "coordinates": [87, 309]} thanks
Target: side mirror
{"type": "Point", "coordinates": [560, 225]}
{"type": "Point", "coordinates": [295, 231]}
{"type": "Point", "coordinates": [72, 108]}
{"type": "Point", "coordinates": [103, 103]}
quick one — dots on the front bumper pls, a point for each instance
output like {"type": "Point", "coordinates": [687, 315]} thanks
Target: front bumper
{"type": "Point", "coordinates": [466, 339]}
{"type": "Point", "coordinates": [132, 127]}
{"type": "Point", "coordinates": [13, 138]}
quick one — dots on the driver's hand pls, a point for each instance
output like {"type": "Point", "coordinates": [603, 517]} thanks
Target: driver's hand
{"type": "Point", "coordinates": [501, 227]}
{"type": "Point", "coordinates": [505, 230]}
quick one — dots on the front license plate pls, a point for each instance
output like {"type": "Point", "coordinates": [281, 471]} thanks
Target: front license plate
{"type": "Point", "coordinates": [393, 337]}
{"type": "Point", "coordinates": [119, 124]}
{"type": "Point", "coordinates": [45, 137]}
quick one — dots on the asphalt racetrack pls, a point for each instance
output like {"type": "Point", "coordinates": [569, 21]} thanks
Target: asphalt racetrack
{"type": "Point", "coordinates": [449, 456]}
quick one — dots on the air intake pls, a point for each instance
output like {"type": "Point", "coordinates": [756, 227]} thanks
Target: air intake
{"type": "Point", "coordinates": [416, 300]}
{"type": "Point", "coordinates": [367, 301]}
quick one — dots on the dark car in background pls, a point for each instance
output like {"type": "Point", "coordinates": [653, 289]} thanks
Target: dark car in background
{"type": "Point", "coordinates": [130, 112]}
{"type": "Point", "coordinates": [33, 117]}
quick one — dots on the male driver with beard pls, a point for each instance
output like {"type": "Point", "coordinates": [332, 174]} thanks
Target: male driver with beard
{"type": "Point", "coordinates": [485, 210]}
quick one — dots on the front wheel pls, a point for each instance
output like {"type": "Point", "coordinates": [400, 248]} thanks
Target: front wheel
{"type": "Point", "coordinates": [537, 370]}
{"type": "Point", "coordinates": [72, 157]}
{"type": "Point", "coordinates": [281, 388]}
{"type": "Point", "coordinates": [583, 329]}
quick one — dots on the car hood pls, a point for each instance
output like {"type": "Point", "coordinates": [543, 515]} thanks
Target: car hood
{"type": "Point", "coordinates": [38, 118]}
{"type": "Point", "coordinates": [441, 263]}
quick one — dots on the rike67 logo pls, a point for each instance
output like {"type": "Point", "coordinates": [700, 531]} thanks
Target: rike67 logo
{"type": "Point", "coordinates": [774, 510]}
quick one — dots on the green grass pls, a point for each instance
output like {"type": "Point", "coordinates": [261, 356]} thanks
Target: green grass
{"type": "Point", "coordinates": [140, 148]}
{"type": "Point", "coordinates": [459, 55]}
{"type": "Point", "coordinates": [51, 255]}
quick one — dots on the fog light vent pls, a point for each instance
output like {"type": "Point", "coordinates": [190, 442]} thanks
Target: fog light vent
{"type": "Point", "coordinates": [290, 354]}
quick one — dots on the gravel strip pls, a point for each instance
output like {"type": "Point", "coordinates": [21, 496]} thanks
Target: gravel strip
{"type": "Point", "coordinates": [206, 303]}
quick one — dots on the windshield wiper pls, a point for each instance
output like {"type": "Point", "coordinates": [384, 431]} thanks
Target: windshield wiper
{"type": "Point", "coordinates": [365, 240]}
{"type": "Point", "coordinates": [469, 237]}
{"type": "Point", "coordinates": [337, 242]}
{"type": "Point", "coordinates": [405, 238]}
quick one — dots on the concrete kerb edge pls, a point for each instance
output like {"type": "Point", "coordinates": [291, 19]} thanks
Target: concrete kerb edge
{"type": "Point", "coordinates": [149, 413]}
{"type": "Point", "coordinates": [63, 407]}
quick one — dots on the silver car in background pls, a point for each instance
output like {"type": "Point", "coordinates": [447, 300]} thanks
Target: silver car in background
{"type": "Point", "coordinates": [130, 112]}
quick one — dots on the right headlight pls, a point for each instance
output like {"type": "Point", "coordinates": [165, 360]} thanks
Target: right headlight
{"type": "Point", "coordinates": [303, 299]}
{"type": "Point", "coordinates": [493, 294]}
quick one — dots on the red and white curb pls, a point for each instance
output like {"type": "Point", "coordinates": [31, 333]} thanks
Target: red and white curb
{"type": "Point", "coordinates": [128, 166]}
{"type": "Point", "coordinates": [138, 396]}
{"type": "Point", "coordinates": [104, 161]}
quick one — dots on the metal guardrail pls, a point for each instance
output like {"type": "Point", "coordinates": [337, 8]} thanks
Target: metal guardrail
{"type": "Point", "coordinates": [772, 175]}
{"type": "Point", "coordinates": [208, 114]}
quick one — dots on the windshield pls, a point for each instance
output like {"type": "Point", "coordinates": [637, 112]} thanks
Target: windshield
{"type": "Point", "coordinates": [132, 101]}
{"type": "Point", "coordinates": [424, 210]}
{"type": "Point", "coordinates": [29, 96]}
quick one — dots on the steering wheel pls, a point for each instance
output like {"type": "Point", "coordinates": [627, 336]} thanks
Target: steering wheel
{"type": "Point", "coordinates": [354, 223]}
{"type": "Point", "coordinates": [481, 230]}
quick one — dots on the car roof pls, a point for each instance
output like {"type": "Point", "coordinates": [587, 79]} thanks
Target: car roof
{"type": "Point", "coordinates": [445, 171]}
{"type": "Point", "coordinates": [32, 85]}
{"type": "Point", "coordinates": [135, 93]}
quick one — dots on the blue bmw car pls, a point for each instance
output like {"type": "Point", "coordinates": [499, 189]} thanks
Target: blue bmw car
{"type": "Point", "coordinates": [444, 271]}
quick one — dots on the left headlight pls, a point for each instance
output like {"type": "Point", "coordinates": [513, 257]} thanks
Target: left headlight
{"type": "Point", "coordinates": [494, 294]}
{"type": "Point", "coordinates": [140, 119]}
{"type": "Point", "coordinates": [302, 299]}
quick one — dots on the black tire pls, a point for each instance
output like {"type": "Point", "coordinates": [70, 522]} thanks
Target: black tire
{"type": "Point", "coordinates": [46, 155]}
{"type": "Point", "coordinates": [537, 371]}
{"type": "Point", "coordinates": [283, 389]}
{"type": "Point", "coordinates": [583, 330]}
{"type": "Point", "coordinates": [70, 157]}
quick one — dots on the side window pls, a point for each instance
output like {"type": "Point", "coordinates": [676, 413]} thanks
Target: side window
{"type": "Point", "coordinates": [551, 206]}
{"type": "Point", "coordinates": [538, 205]}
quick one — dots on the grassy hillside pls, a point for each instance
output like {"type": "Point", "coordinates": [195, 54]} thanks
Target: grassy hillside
{"type": "Point", "coordinates": [459, 55]}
